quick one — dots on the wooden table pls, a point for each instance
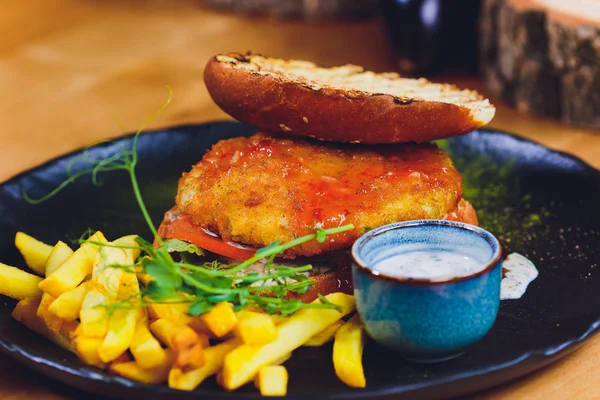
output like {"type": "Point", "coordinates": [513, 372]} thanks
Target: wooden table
{"type": "Point", "coordinates": [72, 72]}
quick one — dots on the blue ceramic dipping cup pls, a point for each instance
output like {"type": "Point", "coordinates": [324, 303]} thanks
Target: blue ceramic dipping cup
{"type": "Point", "coordinates": [427, 320]}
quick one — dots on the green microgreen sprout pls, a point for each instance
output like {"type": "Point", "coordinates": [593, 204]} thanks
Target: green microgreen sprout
{"type": "Point", "coordinates": [201, 286]}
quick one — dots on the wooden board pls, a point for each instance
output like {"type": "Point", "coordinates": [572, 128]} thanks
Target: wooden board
{"type": "Point", "coordinates": [543, 57]}
{"type": "Point", "coordinates": [70, 69]}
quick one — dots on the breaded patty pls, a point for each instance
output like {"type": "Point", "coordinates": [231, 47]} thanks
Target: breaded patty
{"type": "Point", "coordinates": [261, 189]}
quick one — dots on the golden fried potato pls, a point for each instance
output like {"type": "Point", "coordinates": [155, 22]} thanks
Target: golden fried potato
{"type": "Point", "coordinates": [26, 313]}
{"type": "Point", "coordinates": [132, 370]}
{"type": "Point", "coordinates": [187, 344]}
{"type": "Point", "coordinates": [87, 349]}
{"type": "Point", "coordinates": [121, 328]}
{"type": "Point", "coordinates": [213, 356]}
{"type": "Point", "coordinates": [93, 315]}
{"type": "Point", "coordinates": [146, 349]}
{"type": "Point", "coordinates": [255, 328]}
{"type": "Point", "coordinates": [33, 251]}
{"type": "Point", "coordinates": [122, 323]}
{"type": "Point", "coordinates": [188, 347]}
{"type": "Point", "coordinates": [165, 330]}
{"type": "Point", "coordinates": [68, 305]}
{"type": "Point", "coordinates": [347, 353]}
{"type": "Point", "coordinates": [104, 290]}
{"type": "Point", "coordinates": [176, 313]}
{"type": "Point", "coordinates": [17, 283]}
{"type": "Point", "coordinates": [59, 254]}
{"type": "Point", "coordinates": [131, 247]}
{"type": "Point", "coordinates": [50, 319]}
{"type": "Point", "coordinates": [74, 270]}
{"type": "Point", "coordinates": [221, 319]}
{"type": "Point", "coordinates": [272, 380]}
{"type": "Point", "coordinates": [325, 336]}
{"type": "Point", "coordinates": [242, 364]}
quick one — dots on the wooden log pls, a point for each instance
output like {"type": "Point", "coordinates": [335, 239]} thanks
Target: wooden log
{"type": "Point", "coordinates": [303, 9]}
{"type": "Point", "coordinates": [543, 56]}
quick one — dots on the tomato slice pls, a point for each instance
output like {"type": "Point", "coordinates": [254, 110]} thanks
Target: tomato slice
{"type": "Point", "coordinates": [182, 228]}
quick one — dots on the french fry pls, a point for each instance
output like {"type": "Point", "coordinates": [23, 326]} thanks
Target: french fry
{"type": "Point", "coordinates": [128, 327]}
{"type": "Point", "coordinates": [129, 288]}
{"type": "Point", "coordinates": [132, 251]}
{"type": "Point", "coordinates": [23, 309]}
{"type": "Point", "coordinates": [189, 349]}
{"type": "Point", "coordinates": [26, 313]}
{"type": "Point", "coordinates": [347, 353]}
{"type": "Point", "coordinates": [213, 356]}
{"type": "Point", "coordinates": [132, 254]}
{"type": "Point", "coordinates": [17, 283]}
{"type": "Point", "coordinates": [325, 336]}
{"type": "Point", "coordinates": [50, 319]}
{"type": "Point", "coordinates": [277, 318]}
{"type": "Point", "coordinates": [255, 328]}
{"type": "Point", "coordinates": [93, 315]}
{"type": "Point", "coordinates": [146, 350]}
{"type": "Point", "coordinates": [67, 331]}
{"type": "Point", "coordinates": [33, 251]}
{"type": "Point", "coordinates": [106, 273]}
{"type": "Point", "coordinates": [104, 290]}
{"type": "Point", "coordinates": [242, 364]}
{"type": "Point", "coordinates": [87, 350]}
{"type": "Point", "coordinates": [186, 344]}
{"type": "Point", "coordinates": [59, 254]}
{"type": "Point", "coordinates": [68, 305]}
{"type": "Point", "coordinates": [132, 370]}
{"type": "Point", "coordinates": [221, 319]}
{"type": "Point", "coordinates": [272, 380]}
{"type": "Point", "coordinates": [176, 313]}
{"type": "Point", "coordinates": [74, 270]}
{"type": "Point", "coordinates": [198, 324]}
{"type": "Point", "coordinates": [165, 330]}
{"type": "Point", "coordinates": [258, 342]}
{"type": "Point", "coordinates": [122, 323]}
{"type": "Point", "coordinates": [129, 294]}
{"type": "Point", "coordinates": [121, 328]}
{"type": "Point", "coordinates": [282, 359]}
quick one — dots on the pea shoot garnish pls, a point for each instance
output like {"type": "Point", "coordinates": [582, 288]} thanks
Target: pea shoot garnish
{"type": "Point", "coordinates": [201, 285]}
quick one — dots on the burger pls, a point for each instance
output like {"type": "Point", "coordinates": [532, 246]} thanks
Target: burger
{"type": "Point", "coordinates": [334, 146]}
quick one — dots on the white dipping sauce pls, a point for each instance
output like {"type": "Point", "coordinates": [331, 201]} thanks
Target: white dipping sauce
{"type": "Point", "coordinates": [428, 264]}
{"type": "Point", "coordinates": [518, 274]}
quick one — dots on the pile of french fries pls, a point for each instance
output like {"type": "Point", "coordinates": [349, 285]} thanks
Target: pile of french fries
{"type": "Point", "coordinates": [68, 300]}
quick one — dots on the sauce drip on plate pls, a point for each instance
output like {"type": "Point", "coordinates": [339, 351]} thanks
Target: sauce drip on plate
{"type": "Point", "coordinates": [519, 272]}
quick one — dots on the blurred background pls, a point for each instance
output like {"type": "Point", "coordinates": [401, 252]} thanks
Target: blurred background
{"type": "Point", "coordinates": [76, 71]}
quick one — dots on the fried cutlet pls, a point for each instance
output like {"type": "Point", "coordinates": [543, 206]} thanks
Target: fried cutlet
{"type": "Point", "coordinates": [263, 189]}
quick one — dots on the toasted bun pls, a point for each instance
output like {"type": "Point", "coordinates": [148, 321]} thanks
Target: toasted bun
{"type": "Point", "coordinates": [342, 104]}
{"type": "Point", "coordinates": [339, 280]}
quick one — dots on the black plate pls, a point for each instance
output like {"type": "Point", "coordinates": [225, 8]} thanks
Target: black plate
{"type": "Point", "coordinates": [541, 203]}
